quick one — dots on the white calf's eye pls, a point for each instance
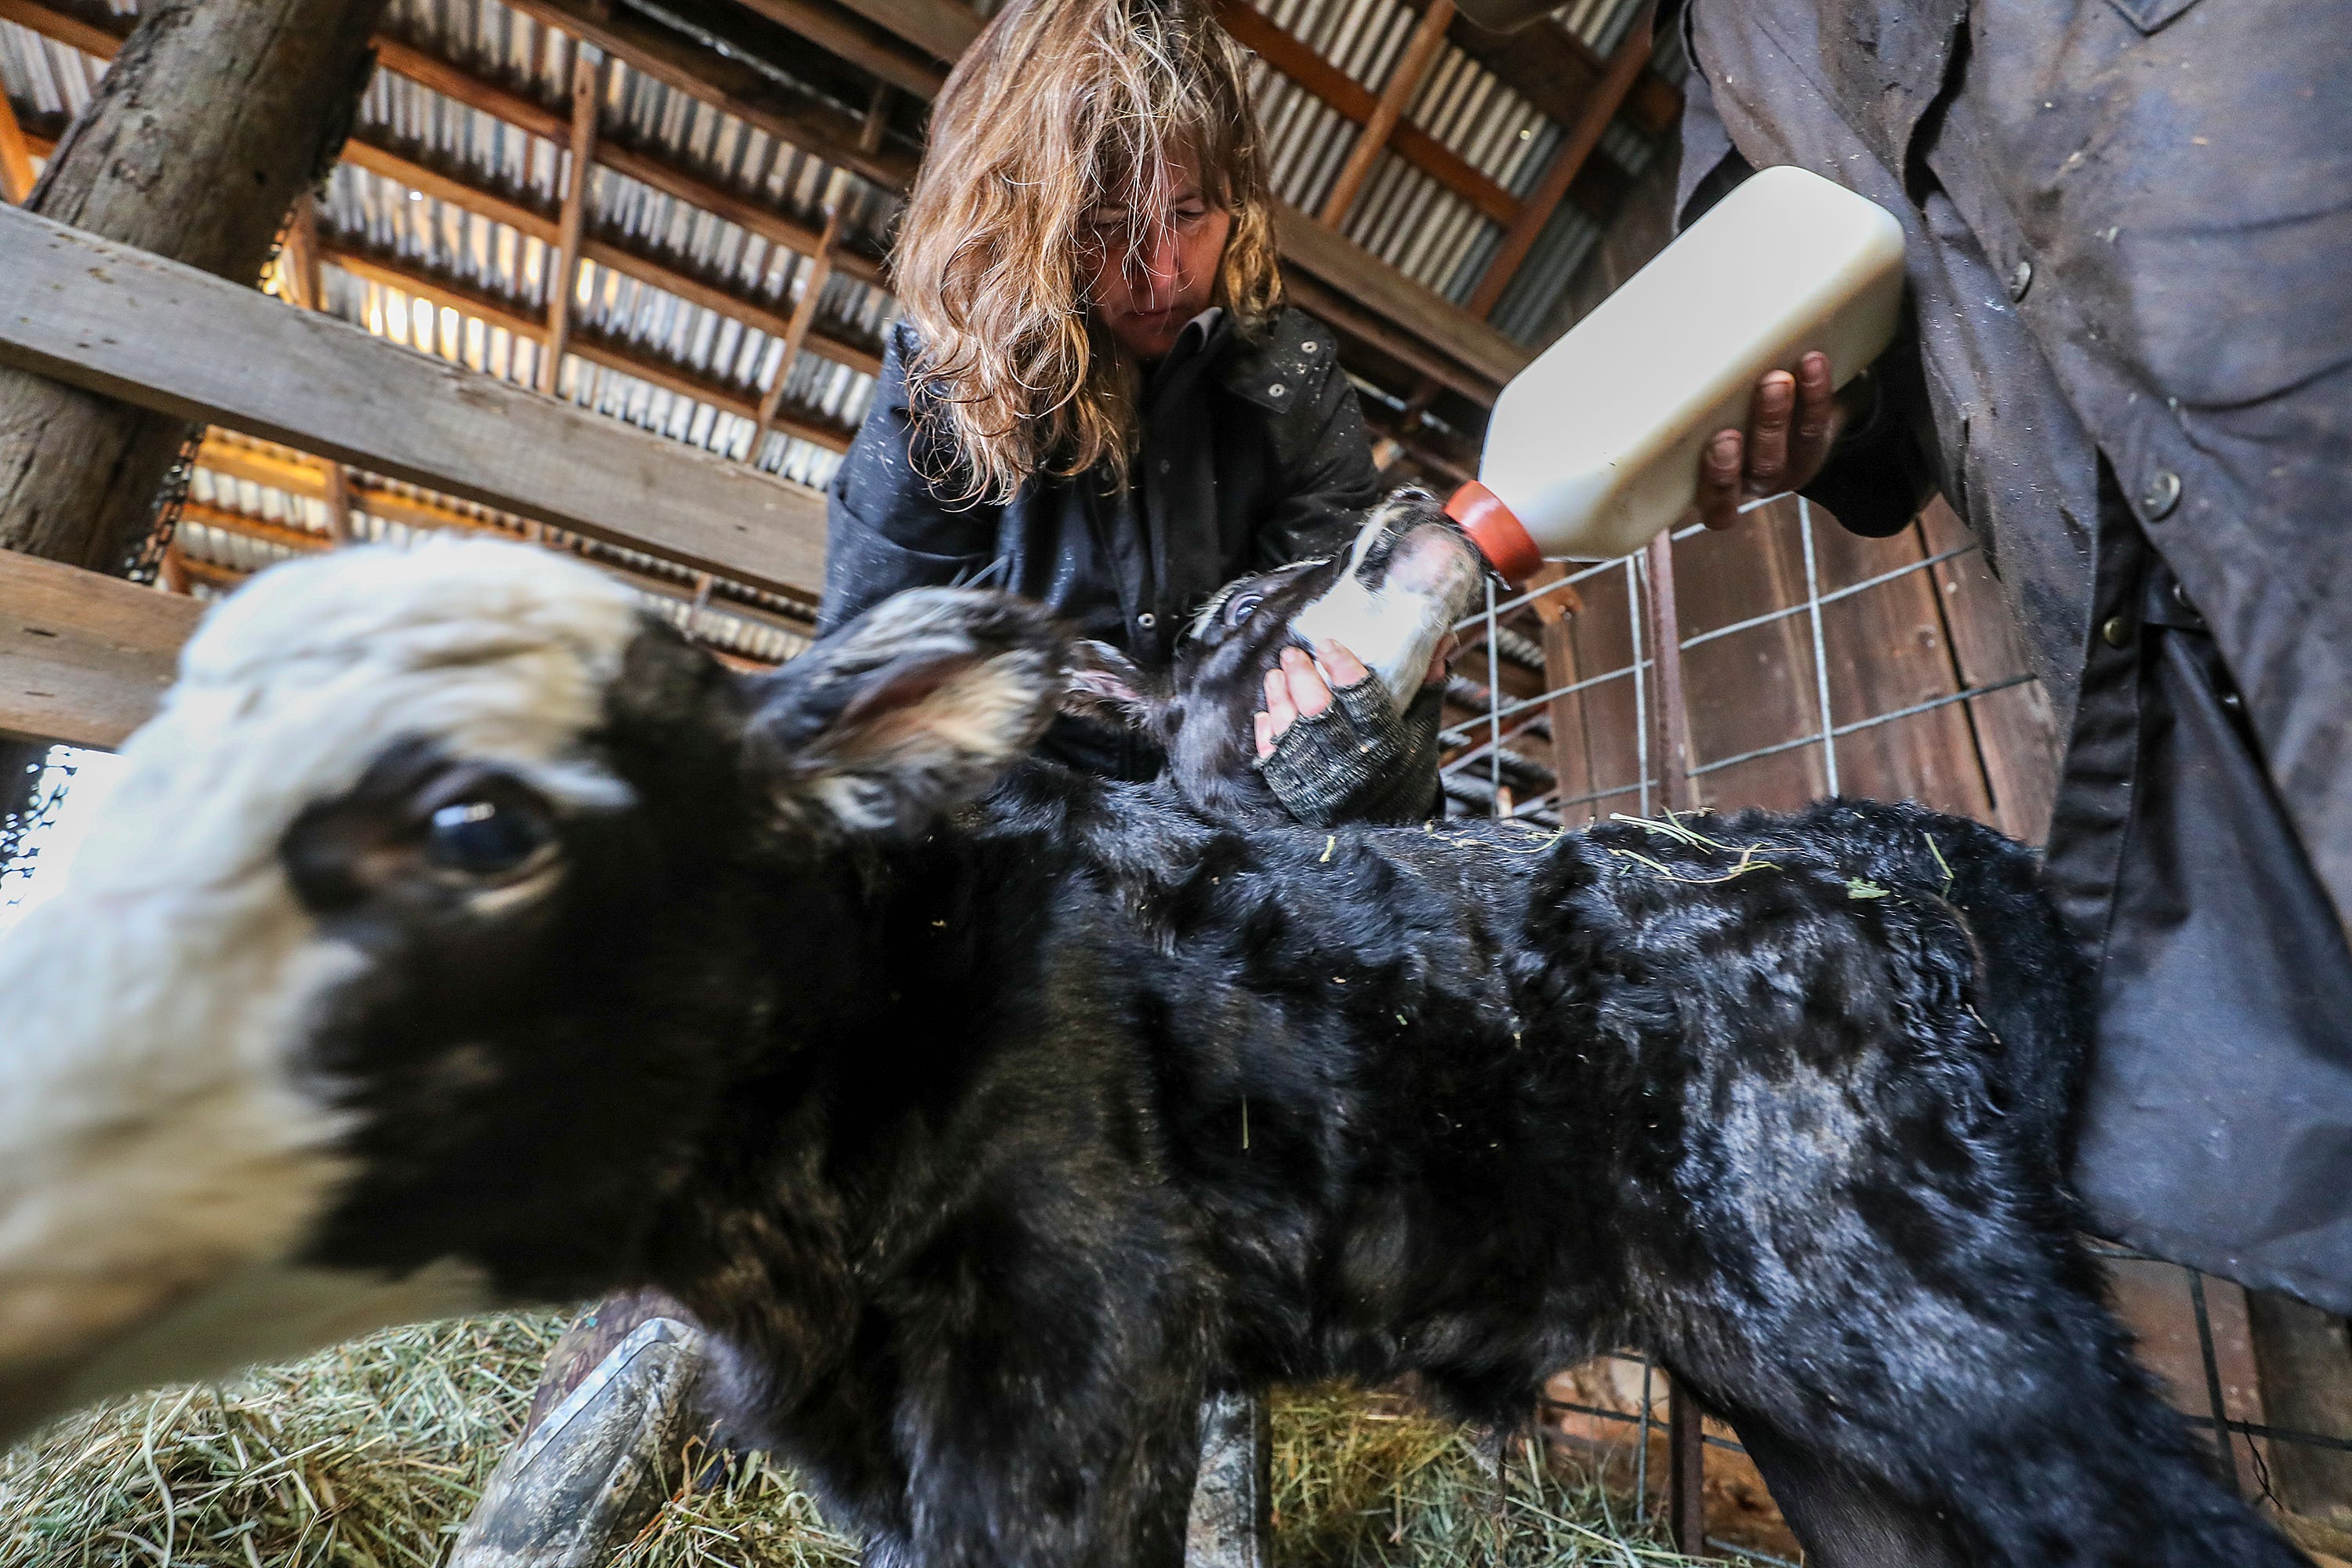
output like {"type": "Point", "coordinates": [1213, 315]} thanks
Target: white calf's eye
{"type": "Point", "coordinates": [486, 837]}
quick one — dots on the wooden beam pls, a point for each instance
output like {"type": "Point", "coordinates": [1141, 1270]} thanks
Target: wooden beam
{"type": "Point", "coordinates": [1350, 98]}
{"type": "Point", "coordinates": [402, 273]}
{"type": "Point", "coordinates": [797, 330]}
{"type": "Point", "coordinates": [76, 32]}
{"type": "Point", "coordinates": [943, 29]}
{"type": "Point", "coordinates": [15, 155]}
{"type": "Point", "coordinates": [84, 658]}
{"type": "Point", "coordinates": [339, 504]}
{"type": "Point", "coordinates": [1633, 54]}
{"type": "Point", "coordinates": [1412, 70]}
{"type": "Point", "coordinates": [1358, 274]}
{"type": "Point", "coordinates": [563, 262]}
{"type": "Point", "coordinates": [116, 321]}
{"type": "Point", "coordinates": [298, 255]}
{"type": "Point", "coordinates": [365, 151]}
{"type": "Point", "coordinates": [764, 221]}
{"type": "Point", "coordinates": [857, 40]}
{"type": "Point", "coordinates": [734, 86]}
{"type": "Point", "coordinates": [1343, 315]}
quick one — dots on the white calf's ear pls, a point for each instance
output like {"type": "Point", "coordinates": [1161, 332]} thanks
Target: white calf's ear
{"type": "Point", "coordinates": [917, 707]}
{"type": "Point", "coordinates": [1108, 686]}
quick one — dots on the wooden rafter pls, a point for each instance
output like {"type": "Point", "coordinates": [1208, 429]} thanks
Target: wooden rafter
{"type": "Point", "coordinates": [563, 262]}
{"type": "Point", "coordinates": [1299, 62]}
{"type": "Point", "coordinates": [1633, 54]}
{"type": "Point", "coordinates": [1411, 69]}
{"type": "Point", "coordinates": [733, 85]}
{"type": "Point", "coordinates": [820, 272]}
{"type": "Point", "coordinates": [944, 27]}
{"type": "Point", "coordinates": [15, 155]}
{"type": "Point", "coordinates": [857, 40]}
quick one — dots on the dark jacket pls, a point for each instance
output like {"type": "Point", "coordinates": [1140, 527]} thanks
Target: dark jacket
{"type": "Point", "coordinates": [2130, 227]}
{"type": "Point", "coordinates": [1254, 455]}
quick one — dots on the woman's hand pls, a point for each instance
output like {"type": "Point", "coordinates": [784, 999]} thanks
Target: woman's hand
{"type": "Point", "coordinates": [1333, 748]}
{"type": "Point", "coordinates": [1790, 427]}
{"type": "Point", "coordinates": [1297, 688]}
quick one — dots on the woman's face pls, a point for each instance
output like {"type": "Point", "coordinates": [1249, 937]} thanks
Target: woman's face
{"type": "Point", "coordinates": [1152, 272]}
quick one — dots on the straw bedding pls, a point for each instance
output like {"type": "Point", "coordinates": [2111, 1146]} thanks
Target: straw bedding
{"type": "Point", "coordinates": [369, 1456]}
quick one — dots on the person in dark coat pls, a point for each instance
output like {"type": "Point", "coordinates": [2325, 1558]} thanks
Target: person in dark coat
{"type": "Point", "coordinates": [1095, 397]}
{"type": "Point", "coordinates": [2129, 368]}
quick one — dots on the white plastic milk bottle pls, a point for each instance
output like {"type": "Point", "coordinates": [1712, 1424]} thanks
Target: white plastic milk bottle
{"type": "Point", "coordinates": [1594, 447]}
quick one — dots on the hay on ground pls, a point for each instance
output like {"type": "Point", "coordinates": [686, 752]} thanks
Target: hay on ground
{"type": "Point", "coordinates": [371, 1454]}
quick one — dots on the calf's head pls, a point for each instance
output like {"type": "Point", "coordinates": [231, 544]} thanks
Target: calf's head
{"type": "Point", "coordinates": [401, 968]}
{"type": "Point", "coordinates": [1392, 599]}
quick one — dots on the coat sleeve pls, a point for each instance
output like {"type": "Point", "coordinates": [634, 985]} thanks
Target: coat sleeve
{"type": "Point", "coordinates": [1324, 455]}
{"type": "Point", "coordinates": [1880, 472]}
{"type": "Point", "coordinates": [887, 529]}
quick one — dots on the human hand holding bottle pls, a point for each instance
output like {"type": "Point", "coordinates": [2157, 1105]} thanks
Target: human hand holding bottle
{"type": "Point", "coordinates": [1791, 425]}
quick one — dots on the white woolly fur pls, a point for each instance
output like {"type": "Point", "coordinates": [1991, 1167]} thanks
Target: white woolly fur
{"type": "Point", "coordinates": [155, 1138]}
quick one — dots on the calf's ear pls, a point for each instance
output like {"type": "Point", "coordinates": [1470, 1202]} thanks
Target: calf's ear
{"type": "Point", "coordinates": [1108, 686]}
{"type": "Point", "coordinates": [917, 707]}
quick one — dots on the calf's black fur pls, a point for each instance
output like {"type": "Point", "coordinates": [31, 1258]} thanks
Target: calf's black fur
{"type": "Point", "coordinates": [988, 1117]}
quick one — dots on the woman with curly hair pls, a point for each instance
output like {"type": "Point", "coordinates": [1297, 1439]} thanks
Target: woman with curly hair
{"type": "Point", "coordinates": [1096, 396]}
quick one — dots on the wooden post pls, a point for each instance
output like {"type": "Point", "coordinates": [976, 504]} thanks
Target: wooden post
{"type": "Point", "coordinates": [1685, 1471]}
{"type": "Point", "coordinates": [1412, 70]}
{"type": "Point", "coordinates": [1669, 717]}
{"type": "Point", "coordinates": [796, 332]}
{"type": "Point", "coordinates": [878, 121]}
{"type": "Point", "coordinates": [214, 115]}
{"type": "Point", "coordinates": [1608, 96]}
{"type": "Point", "coordinates": [297, 256]}
{"type": "Point", "coordinates": [563, 261]}
{"type": "Point", "coordinates": [2304, 1360]}
{"type": "Point", "coordinates": [15, 155]}
{"type": "Point", "coordinates": [339, 504]}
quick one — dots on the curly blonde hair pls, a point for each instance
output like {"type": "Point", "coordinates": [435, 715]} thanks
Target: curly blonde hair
{"type": "Point", "coordinates": [1059, 107]}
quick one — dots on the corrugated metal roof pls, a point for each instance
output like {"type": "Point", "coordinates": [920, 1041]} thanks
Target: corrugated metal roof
{"type": "Point", "coordinates": [1406, 216]}
{"type": "Point", "coordinates": [718, 623]}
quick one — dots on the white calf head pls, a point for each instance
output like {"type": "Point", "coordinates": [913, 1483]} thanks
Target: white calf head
{"type": "Point", "coordinates": [391, 972]}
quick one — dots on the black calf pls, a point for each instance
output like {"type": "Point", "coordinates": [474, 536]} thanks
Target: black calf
{"type": "Point", "coordinates": [989, 1128]}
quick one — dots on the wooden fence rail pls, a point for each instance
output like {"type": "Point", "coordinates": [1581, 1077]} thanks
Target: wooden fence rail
{"type": "Point", "coordinates": [122, 322]}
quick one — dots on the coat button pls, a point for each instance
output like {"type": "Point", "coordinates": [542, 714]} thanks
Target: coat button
{"type": "Point", "coordinates": [1147, 620]}
{"type": "Point", "coordinates": [2160, 494]}
{"type": "Point", "coordinates": [2020, 279]}
{"type": "Point", "coordinates": [1309, 346]}
{"type": "Point", "coordinates": [1274, 391]}
{"type": "Point", "coordinates": [2118, 632]}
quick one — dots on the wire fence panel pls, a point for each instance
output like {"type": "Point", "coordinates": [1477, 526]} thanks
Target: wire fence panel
{"type": "Point", "coordinates": [1816, 662]}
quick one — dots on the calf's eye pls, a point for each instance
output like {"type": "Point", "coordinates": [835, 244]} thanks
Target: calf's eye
{"type": "Point", "coordinates": [481, 838]}
{"type": "Point", "coordinates": [1242, 606]}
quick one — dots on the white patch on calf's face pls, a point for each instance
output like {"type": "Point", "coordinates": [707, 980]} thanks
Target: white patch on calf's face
{"type": "Point", "coordinates": [157, 1132]}
{"type": "Point", "coordinates": [1395, 624]}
